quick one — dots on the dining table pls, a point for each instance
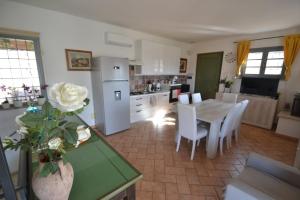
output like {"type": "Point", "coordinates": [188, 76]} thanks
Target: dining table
{"type": "Point", "coordinates": [212, 111]}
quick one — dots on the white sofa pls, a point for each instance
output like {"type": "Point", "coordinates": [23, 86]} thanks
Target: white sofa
{"type": "Point", "coordinates": [265, 179]}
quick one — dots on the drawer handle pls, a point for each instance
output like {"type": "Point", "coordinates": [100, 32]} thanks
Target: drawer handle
{"type": "Point", "coordinates": [139, 111]}
{"type": "Point", "coordinates": [139, 104]}
{"type": "Point", "coordinates": [139, 99]}
{"type": "Point", "coordinates": [165, 95]}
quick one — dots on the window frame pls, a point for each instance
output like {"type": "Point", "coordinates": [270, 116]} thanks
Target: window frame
{"type": "Point", "coordinates": [38, 55]}
{"type": "Point", "coordinates": [263, 65]}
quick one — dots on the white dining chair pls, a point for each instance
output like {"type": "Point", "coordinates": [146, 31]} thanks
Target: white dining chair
{"type": "Point", "coordinates": [187, 126]}
{"type": "Point", "coordinates": [237, 125]}
{"type": "Point", "coordinates": [196, 98]}
{"type": "Point", "coordinates": [229, 97]}
{"type": "Point", "coordinates": [183, 99]}
{"type": "Point", "coordinates": [219, 96]}
{"type": "Point", "coordinates": [227, 127]}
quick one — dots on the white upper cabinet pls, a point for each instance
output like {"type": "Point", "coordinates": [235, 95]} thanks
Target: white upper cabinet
{"type": "Point", "coordinates": [158, 59]}
{"type": "Point", "coordinates": [171, 55]}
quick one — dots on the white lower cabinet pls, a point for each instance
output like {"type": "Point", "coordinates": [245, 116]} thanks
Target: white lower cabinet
{"type": "Point", "coordinates": [143, 107]}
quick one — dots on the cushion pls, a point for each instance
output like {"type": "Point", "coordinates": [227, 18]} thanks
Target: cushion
{"type": "Point", "coordinates": [268, 184]}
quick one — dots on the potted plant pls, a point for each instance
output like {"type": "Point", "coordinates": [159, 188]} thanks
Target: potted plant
{"type": "Point", "coordinates": [47, 133]}
{"type": "Point", "coordinates": [16, 99]}
{"type": "Point", "coordinates": [40, 98]}
{"type": "Point", "coordinates": [5, 104]}
{"type": "Point", "coordinates": [228, 84]}
{"type": "Point", "coordinates": [222, 85]}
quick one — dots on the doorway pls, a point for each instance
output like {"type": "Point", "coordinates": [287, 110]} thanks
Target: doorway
{"type": "Point", "coordinates": [208, 72]}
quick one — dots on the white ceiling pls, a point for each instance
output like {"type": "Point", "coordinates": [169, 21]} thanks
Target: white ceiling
{"type": "Point", "coordinates": [185, 20]}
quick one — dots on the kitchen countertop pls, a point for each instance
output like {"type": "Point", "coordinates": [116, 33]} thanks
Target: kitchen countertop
{"type": "Point", "coordinates": [151, 93]}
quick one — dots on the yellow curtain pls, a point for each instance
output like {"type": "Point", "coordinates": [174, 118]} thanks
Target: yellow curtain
{"type": "Point", "coordinates": [291, 48]}
{"type": "Point", "coordinates": [243, 48]}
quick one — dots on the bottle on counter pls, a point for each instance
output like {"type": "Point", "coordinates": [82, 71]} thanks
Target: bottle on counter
{"type": "Point", "coordinates": [158, 86]}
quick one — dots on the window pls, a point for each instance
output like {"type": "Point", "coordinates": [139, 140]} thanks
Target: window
{"type": "Point", "coordinates": [20, 65]}
{"type": "Point", "coordinates": [265, 62]}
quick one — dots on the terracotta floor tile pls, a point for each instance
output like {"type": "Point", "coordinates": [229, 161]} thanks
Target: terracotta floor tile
{"type": "Point", "coordinates": [184, 188]}
{"type": "Point", "coordinates": [175, 170]}
{"type": "Point", "coordinates": [165, 178]}
{"type": "Point", "coordinates": [172, 196]}
{"type": "Point", "coordinates": [191, 197]}
{"type": "Point", "coordinates": [168, 174]}
{"type": "Point", "coordinates": [159, 196]}
{"type": "Point", "coordinates": [171, 188]}
{"type": "Point", "coordinates": [203, 190]}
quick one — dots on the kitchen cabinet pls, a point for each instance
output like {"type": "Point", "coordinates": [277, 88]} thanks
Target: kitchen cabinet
{"type": "Point", "coordinates": [143, 107]}
{"type": "Point", "coordinates": [158, 59]}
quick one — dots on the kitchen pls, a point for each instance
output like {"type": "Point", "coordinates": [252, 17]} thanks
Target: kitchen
{"type": "Point", "coordinates": [153, 90]}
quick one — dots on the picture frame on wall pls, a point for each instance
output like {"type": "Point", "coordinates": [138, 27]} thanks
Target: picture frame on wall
{"type": "Point", "coordinates": [79, 60]}
{"type": "Point", "coordinates": [183, 65]}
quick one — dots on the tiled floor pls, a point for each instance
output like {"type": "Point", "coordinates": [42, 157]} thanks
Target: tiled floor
{"type": "Point", "coordinates": [170, 175]}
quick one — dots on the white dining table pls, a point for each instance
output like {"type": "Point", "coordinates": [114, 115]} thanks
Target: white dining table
{"type": "Point", "coordinates": [213, 112]}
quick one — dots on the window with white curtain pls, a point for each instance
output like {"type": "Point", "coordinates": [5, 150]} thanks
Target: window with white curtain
{"type": "Point", "coordinates": [21, 72]}
{"type": "Point", "coordinates": [265, 62]}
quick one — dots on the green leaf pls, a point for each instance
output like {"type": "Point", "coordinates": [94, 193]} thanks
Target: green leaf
{"type": "Point", "coordinates": [46, 170]}
{"type": "Point", "coordinates": [71, 125]}
{"type": "Point", "coordinates": [33, 120]}
{"type": "Point", "coordinates": [62, 122]}
{"type": "Point", "coordinates": [56, 132]}
{"type": "Point", "coordinates": [49, 167]}
{"type": "Point", "coordinates": [70, 136]}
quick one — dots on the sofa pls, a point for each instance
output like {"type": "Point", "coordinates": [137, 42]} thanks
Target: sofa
{"type": "Point", "coordinates": [264, 179]}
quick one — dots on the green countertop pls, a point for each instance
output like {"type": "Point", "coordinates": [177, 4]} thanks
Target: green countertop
{"type": "Point", "coordinates": [100, 172]}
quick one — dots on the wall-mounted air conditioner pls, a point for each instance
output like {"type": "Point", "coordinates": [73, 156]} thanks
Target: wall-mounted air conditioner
{"type": "Point", "coordinates": [118, 40]}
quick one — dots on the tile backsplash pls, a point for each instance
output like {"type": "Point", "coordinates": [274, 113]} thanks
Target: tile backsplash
{"type": "Point", "coordinates": [139, 83]}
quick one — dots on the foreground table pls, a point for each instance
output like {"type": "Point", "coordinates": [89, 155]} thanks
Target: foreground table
{"type": "Point", "coordinates": [100, 172]}
{"type": "Point", "coordinates": [212, 111]}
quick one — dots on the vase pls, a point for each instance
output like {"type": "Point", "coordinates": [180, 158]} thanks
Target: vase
{"type": "Point", "coordinates": [227, 90]}
{"type": "Point", "coordinates": [5, 105]}
{"type": "Point", "coordinates": [18, 103]}
{"type": "Point", "coordinates": [55, 186]}
{"type": "Point", "coordinates": [41, 101]}
{"type": "Point", "coordinates": [221, 87]}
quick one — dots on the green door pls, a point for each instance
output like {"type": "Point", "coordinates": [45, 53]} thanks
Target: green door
{"type": "Point", "coordinates": [208, 74]}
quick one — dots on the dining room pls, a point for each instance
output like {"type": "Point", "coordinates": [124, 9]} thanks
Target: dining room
{"type": "Point", "coordinates": [149, 100]}
{"type": "Point", "coordinates": [197, 151]}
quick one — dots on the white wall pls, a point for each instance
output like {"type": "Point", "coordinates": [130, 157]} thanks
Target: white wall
{"type": "Point", "coordinates": [59, 31]}
{"type": "Point", "coordinates": [286, 88]}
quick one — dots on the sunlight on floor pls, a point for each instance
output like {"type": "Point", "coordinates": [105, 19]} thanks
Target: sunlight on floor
{"type": "Point", "coordinates": [160, 119]}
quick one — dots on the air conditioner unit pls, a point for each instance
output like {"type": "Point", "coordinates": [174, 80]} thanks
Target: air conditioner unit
{"type": "Point", "coordinates": [118, 40]}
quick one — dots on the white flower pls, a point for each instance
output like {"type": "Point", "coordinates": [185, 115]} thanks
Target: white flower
{"type": "Point", "coordinates": [54, 143]}
{"type": "Point", "coordinates": [67, 97]}
{"type": "Point", "coordinates": [23, 130]}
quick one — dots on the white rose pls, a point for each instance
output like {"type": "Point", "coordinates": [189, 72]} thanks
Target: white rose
{"type": "Point", "coordinates": [54, 143]}
{"type": "Point", "coordinates": [67, 97]}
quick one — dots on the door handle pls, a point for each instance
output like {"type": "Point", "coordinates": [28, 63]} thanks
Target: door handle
{"type": "Point", "coordinates": [139, 111]}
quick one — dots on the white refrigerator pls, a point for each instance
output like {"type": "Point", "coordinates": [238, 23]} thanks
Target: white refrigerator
{"type": "Point", "coordinates": [111, 94]}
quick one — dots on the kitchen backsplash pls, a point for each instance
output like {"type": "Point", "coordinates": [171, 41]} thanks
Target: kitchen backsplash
{"type": "Point", "coordinates": [139, 83]}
